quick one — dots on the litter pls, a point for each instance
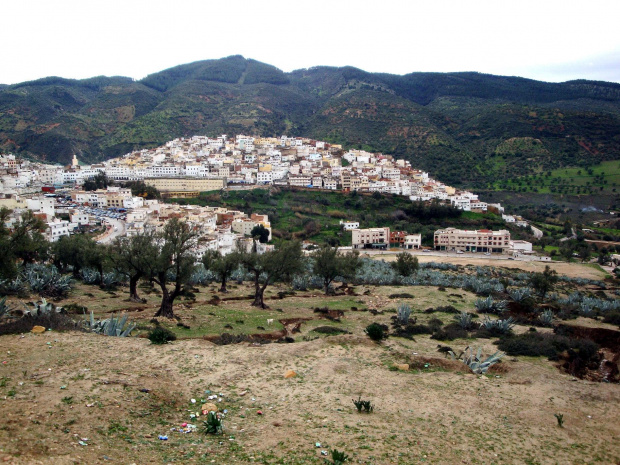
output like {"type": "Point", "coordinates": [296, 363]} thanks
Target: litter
{"type": "Point", "coordinates": [323, 452]}
{"type": "Point", "coordinates": [317, 444]}
{"type": "Point", "coordinates": [163, 438]}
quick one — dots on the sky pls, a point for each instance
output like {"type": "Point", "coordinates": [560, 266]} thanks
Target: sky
{"type": "Point", "coordinates": [547, 40]}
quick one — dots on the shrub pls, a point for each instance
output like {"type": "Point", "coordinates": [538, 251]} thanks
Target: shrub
{"type": "Point", "coordinates": [612, 318]}
{"type": "Point", "coordinates": [363, 405]}
{"type": "Point", "coordinates": [435, 324]}
{"type": "Point", "coordinates": [55, 321]}
{"type": "Point", "coordinates": [338, 458]}
{"type": "Point", "coordinates": [404, 311]}
{"type": "Point", "coordinates": [376, 331]}
{"type": "Point", "coordinates": [161, 335]}
{"type": "Point", "coordinates": [401, 295]}
{"type": "Point", "coordinates": [330, 330]}
{"type": "Point", "coordinates": [449, 333]}
{"type": "Point", "coordinates": [549, 345]}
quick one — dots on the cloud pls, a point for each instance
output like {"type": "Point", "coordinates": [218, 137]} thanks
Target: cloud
{"type": "Point", "coordinates": [604, 67]}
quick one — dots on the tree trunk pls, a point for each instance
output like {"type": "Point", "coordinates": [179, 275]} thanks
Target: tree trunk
{"type": "Point", "coordinates": [258, 297]}
{"type": "Point", "coordinates": [100, 269]}
{"type": "Point", "coordinates": [133, 288]}
{"type": "Point", "coordinates": [223, 288]}
{"type": "Point", "coordinates": [167, 299]}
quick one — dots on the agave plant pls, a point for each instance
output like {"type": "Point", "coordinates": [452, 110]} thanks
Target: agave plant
{"type": "Point", "coordinates": [464, 320]}
{"type": "Point", "coordinates": [489, 305]}
{"type": "Point", "coordinates": [5, 310]}
{"type": "Point", "coordinates": [498, 326]}
{"type": "Point", "coordinates": [90, 276]}
{"type": "Point", "coordinates": [546, 318]}
{"type": "Point", "coordinates": [213, 425]}
{"type": "Point", "coordinates": [110, 326]}
{"type": "Point", "coordinates": [300, 282]}
{"type": "Point", "coordinates": [403, 314]}
{"type": "Point", "coordinates": [520, 294]}
{"type": "Point", "coordinates": [42, 307]}
{"type": "Point", "coordinates": [475, 362]}
{"type": "Point", "coordinates": [16, 286]}
{"type": "Point", "coordinates": [46, 280]}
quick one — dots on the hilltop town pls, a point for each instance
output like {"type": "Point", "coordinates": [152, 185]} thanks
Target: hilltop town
{"type": "Point", "coordinates": [183, 168]}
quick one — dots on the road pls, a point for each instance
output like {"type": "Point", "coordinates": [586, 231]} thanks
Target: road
{"type": "Point", "coordinates": [116, 229]}
{"type": "Point", "coordinates": [524, 258]}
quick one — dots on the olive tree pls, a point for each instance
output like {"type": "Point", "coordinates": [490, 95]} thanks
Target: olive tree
{"type": "Point", "coordinates": [329, 264]}
{"type": "Point", "coordinates": [174, 260]}
{"type": "Point", "coordinates": [131, 256]}
{"type": "Point", "coordinates": [271, 266]}
{"type": "Point", "coordinates": [222, 265]}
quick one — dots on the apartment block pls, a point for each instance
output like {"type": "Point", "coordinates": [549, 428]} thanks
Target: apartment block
{"type": "Point", "coordinates": [482, 240]}
{"type": "Point", "coordinates": [372, 238]}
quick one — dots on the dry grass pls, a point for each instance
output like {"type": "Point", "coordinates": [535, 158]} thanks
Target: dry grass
{"type": "Point", "coordinates": [121, 393]}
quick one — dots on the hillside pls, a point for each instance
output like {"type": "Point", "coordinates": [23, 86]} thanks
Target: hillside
{"type": "Point", "coordinates": [70, 396]}
{"type": "Point", "coordinates": [465, 128]}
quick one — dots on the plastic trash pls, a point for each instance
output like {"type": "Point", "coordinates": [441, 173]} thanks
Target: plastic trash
{"type": "Point", "coordinates": [317, 444]}
{"type": "Point", "coordinates": [163, 438]}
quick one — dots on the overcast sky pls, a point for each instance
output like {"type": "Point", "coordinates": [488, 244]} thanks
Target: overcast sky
{"type": "Point", "coordinates": [551, 40]}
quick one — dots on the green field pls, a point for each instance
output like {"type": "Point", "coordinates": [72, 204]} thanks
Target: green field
{"type": "Point", "coordinates": [598, 179]}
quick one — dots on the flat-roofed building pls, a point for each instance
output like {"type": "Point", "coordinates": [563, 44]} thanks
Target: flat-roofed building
{"type": "Point", "coordinates": [184, 187]}
{"type": "Point", "coordinates": [482, 240]}
{"type": "Point", "coordinates": [413, 241]}
{"type": "Point", "coordinates": [371, 238]}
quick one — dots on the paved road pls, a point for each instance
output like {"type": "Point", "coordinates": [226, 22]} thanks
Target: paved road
{"type": "Point", "coordinates": [524, 258]}
{"type": "Point", "coordinates": [117, 228]}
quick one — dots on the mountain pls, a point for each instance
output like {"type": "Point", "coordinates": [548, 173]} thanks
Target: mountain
{"type": "Point", "coordinates": [465, 128]}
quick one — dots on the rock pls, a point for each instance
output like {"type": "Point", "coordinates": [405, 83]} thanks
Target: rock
{"type": "Point", "coordinates": [290, 374]}
{"type": "Point", "coordinates": [403, 366]}
{"type": "Point", "coordinates": [37, 329]}
{"type": "Point", "coordinates": [208, 407]}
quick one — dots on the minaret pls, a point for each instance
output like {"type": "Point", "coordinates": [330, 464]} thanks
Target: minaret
{"type": "Point", "coordinates": [74, 162]}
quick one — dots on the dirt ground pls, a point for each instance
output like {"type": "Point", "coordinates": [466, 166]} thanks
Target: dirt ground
{"type": "Point", "coordinates": [573, 270]}
{"type": "Point", "coordinates": [74, 397]}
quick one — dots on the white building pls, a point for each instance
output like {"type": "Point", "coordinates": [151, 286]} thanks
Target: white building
{"type": "Point", "coordinates": [56, 229]}
{"type": "Point", "coordinates": [482, 240]}
{"type": "Point", "coordinates": [350, 225]}
{"type": "Point", "coordinates": [372, 238]}
{"type": "Point", "coordinates": [413, 241]}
